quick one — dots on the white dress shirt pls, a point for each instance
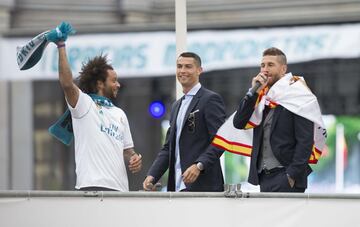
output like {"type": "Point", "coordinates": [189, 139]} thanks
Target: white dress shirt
{"type": "Point", "coordinates": [187, 98]}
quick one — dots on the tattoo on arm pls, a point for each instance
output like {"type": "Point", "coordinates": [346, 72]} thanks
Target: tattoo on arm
{"type": "Point", "coordinates": [128, 153]}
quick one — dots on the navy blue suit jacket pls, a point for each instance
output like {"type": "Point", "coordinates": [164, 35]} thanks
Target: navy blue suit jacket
{"type": "Point", "coordinates": [195, 145]}
{"type": "Point", "coordinates": [291, 141]}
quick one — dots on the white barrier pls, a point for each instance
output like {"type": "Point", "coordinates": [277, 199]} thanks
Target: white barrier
{"type": "Point", "coordinates": [140, 209]}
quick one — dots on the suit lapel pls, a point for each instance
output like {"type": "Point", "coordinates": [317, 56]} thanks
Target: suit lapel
{"type": "Point", "coordinates": [175, 113]}
{"type": "Point", "coordinates": [192, 105]}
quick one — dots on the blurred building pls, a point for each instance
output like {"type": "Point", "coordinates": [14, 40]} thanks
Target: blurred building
{"type": "Point", "coordinates": [31, 159]}
{"type": "Point", "coordinates": [28, 16]}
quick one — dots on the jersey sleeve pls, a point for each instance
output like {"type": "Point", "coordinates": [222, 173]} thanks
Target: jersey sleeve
{"type": "Point", "coordinates": [82, 106]}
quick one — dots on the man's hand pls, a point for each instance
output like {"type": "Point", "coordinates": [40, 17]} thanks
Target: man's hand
{"type": "Point", "coordinates": [60, 33]}
{"type": "Point", "coordinates": [148, 184]}
{"type": "Point", "coordinates": [262, 79]}
{"type": "Point", "coordinates": [135, 163]}
{"type": "Point", "coordinates": [191, 174]}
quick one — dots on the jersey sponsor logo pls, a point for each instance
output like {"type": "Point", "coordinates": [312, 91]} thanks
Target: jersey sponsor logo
{"type": "Point", "coordinates": [113, 131]}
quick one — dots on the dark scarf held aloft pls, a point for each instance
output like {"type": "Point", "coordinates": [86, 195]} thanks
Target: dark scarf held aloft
{"type": "Point", "coordinates": [63, 130]}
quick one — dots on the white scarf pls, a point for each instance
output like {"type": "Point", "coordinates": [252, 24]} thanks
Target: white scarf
{"type": "Point", "coordinates": [294, 96]}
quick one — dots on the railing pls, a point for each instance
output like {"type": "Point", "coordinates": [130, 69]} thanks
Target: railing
{"type": "Point", "coordinates": [77, 208]}
{"type": "Point", "coordinates": [170, 195]}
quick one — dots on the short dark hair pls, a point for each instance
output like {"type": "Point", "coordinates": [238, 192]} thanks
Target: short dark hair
{"type": "Point", "coordinates": [192, 55]}
{"type": "Point", "coordinates": [93, 70]}
{"type": "Point", "coordinates": [273, 51]}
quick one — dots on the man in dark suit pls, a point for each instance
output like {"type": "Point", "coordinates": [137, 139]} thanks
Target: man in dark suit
{"type": "Point", "coordinates": [193, 163]}
{"type": "Point", "coordinates": [283, 141]}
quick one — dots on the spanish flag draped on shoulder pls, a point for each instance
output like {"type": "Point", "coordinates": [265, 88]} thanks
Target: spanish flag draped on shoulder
{"type": "Point", "coordinates": [292, 93]}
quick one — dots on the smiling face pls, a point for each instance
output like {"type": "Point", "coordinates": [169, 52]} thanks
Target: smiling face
{"type": "Point", "coordinates": [187, 72]}
{"type": "Point", "coordinates": [110, 87]}
{"type": "Point", "coordinates": [273, 67]}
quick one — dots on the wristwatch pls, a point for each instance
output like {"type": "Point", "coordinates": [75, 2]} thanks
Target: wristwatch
{"type": "Point", "coordinates": [200, 166]}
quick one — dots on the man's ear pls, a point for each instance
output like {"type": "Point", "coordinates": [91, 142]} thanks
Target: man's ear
{"type": "Point", "coordinates": [200, 70]}
{"type": "Point", "coordinates": [284, 69]}
{"type": "Point", "coordinates": [99, 85]}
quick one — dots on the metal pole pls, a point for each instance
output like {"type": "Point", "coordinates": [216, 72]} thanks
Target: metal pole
{"type": "Point", "coordinates": [340, 145]}
{"type": "Point", "coordinates": [5, 159]}
{"type": "Point", "coordinates": [181, 32]}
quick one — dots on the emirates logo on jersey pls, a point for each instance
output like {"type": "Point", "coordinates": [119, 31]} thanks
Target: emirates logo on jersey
{"type": "Point", "coordinates": [112, 131]}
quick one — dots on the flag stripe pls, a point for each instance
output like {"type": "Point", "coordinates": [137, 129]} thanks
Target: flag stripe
{"type": "Point", "coordinates": [243, 149]}
{"type": "Point", "coordinates": [232, 143]}
{"type": "Point", "coordinates": [236, 148]}
{"type": "Point", "coordinates": [250, 125]}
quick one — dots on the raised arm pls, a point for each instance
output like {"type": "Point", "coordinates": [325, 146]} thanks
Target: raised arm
{"type": "Point", "coordinates": [244, 111]}
{"type": "Point", "coordinates": [58, 36]}
{"type": "Point", "coordinates": [66, 78]}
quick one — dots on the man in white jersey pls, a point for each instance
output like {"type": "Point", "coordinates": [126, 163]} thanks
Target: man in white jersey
{"type": "Point", "coordinates": [103, 141]}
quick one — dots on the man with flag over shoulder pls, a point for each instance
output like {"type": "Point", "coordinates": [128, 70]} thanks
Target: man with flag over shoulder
{"type": "Point", "coordinates": [288, 131]}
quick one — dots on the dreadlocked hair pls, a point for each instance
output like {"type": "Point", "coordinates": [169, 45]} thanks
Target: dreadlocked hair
{"type": "Point", "coordinates": [93, 70]}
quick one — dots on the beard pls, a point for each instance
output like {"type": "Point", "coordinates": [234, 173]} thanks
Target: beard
{"type": "Point", "coordinates": [110, 93]}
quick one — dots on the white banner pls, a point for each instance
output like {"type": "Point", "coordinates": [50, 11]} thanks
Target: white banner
{"type": "Point", "coordinates": [153, 53]}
